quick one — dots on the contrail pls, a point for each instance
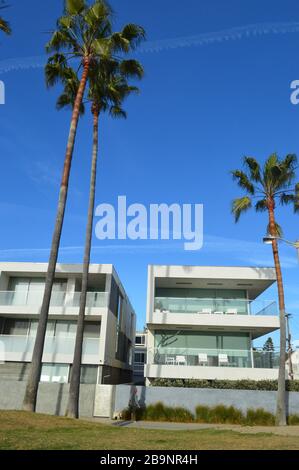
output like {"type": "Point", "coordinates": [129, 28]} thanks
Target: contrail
{"type": "Point", "coordinates": [232, 34]}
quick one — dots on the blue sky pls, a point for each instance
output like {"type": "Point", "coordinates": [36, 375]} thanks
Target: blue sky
{"type": "Point", "coordinates": [205, 102]}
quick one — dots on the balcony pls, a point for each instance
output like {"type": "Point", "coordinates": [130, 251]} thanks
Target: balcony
{"type": "Point", "coordinates": [215, 306]}
{"type": "Point", "coordinates": [214, 358]}
{"type": "Point", "coordinates": [56, 349]}
{"type": "Point", "coordinates": [33, 299]}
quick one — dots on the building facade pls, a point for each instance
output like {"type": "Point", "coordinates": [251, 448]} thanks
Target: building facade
{"type": "Point", "coordinates": [202, 321]}
{"type": "Point", "coordinates": [109, 323]}
{"type": "Point", "coordinates": [140, 354]}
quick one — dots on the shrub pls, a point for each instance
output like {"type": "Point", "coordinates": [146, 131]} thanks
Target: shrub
{"type": "Point", "coordinates": [293, 420]}
{"type": "Point", "coordinates": [270, 385]}
{"type": "Point", "coordinates": [259, 417]}
{"type": "Point", "coordinates": [160, 412]}
{"type": "Point", "coordinates": [127, 414]}
{"type": "Point", "coordinates": [219, 414]}
{"type": "Point", "coordinates": [203, 414]}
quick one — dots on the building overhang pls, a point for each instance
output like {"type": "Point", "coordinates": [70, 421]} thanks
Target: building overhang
{"type": "Point", "coordinates": [253, 279]}
{"type": "Point", "coordinates": [255, 325]}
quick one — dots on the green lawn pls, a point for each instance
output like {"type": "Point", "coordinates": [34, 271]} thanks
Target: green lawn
{"type": "Point", "coordinates": [21, 430]}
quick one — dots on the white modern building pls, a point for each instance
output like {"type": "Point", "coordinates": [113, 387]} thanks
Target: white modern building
{"type": "Point", "coordinates": [139, 356]}
{"type": "Point", "coordinates": [202, 321]}
{"type": "Point", "coordinates": [109, 326]}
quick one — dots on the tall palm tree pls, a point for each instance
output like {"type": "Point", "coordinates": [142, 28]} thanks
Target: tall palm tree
{"type": "Point", "coordinates": [269, 185]}
{"type": "Point", "coordinates": [4, 25]}
{"type": "Point", "coordinates": [108, 90]}
{"type": "Point", "coordinates": [83, 33]}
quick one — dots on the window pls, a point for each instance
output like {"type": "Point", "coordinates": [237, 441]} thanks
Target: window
{"type": "Point", "coordinates": [193, 340]}
{"type": "Point", "coordinates": [89, 374]}
{"type": "Point", "coordinates": [55, 373]}
{"type": "Point", "coordinates": [139, 358]}
{"type": "Point", "coordinates": [66, 328]}
{"type": "Point", "coordinates": [92, 330]}
{"type": "Point", "coordinates": [30, 291]}
{"type": "Point", "coordinates": [15, 327]}
{"type": "Point", "coordinates": [139, 340]}
{"type": "Point", "coordinates": [119, 322]}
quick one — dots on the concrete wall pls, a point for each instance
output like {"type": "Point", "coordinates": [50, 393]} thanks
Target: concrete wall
{"type": "Point", "coordinates": [52, 397]}
{"type": "Point", "coordinates": [110, 400]}
{"type": "Point", "coordinates": [192, 397]}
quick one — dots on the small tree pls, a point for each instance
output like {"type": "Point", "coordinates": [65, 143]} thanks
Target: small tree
{"type": "Point", "coordinates": [269, 349]}
{"type": "Point", "coordinates": [268, 346]}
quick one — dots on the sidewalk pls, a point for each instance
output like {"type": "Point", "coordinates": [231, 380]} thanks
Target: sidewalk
{"type": "Point", "coordinates": [280, 431]}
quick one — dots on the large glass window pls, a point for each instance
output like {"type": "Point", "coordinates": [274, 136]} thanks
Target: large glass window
{"type": "Point", "coordinates": [65, 328]}
{"type": "Point", "coordinates": [55, 373]}
{"type": "Point", "coordinates": [201, 300]}
{"type": "Point", "coordinates": [89, 374]}
{"type": "Point", "coordinates": [92, 330]}
{"type": "Point", "coordinates": [15, 327]}
{"type": "Point", "coordinates": [29, 291]}
{"type": "Point", "coordinates": [193, 347]}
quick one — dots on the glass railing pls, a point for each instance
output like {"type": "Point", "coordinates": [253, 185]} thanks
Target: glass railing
{"type": "Point", "coordinates": [58, 299]}
{"type": "Point", "coordinates": [214, 357]}
{"type": "Point", "coordinates": [93, 299]}
{"type": "Point", "coordinates": [60, 345]}
{"type": "Point", "coordinates": [215, 306]}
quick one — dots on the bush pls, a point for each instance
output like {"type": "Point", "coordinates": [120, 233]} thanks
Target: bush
{"type": "Point", "coordinates": [160, 412]}
{"type": "Point", "coordinates": [259, 417]}
{"type": "Point", "coordinates": [293, 420]}
{"type": "Point", "coordinates": [219, 414]}
{"type": "Point", "coordinates": [127, 414]}
{"type": "Point", "coordinates": [267, 385]}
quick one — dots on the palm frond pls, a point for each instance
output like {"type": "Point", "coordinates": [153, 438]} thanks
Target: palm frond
{"type": "Point", "coordinates": [286, 199]}
{"type": "Point", "coordinates": [276, 231]}
{"type": "Point", "coordinates": [243, 181]}
{"type": "Point", "coordinates": [4, 26]}
{"type": "Point", "coordinates": [240, 205]}
{"type": "Point", "coordinates": [55, 69]}
{"type": "Point", "coordinates": [117, 112]}
{"type": "Point", "coordinates": [134, 34]}
{"type": "Point", "coordinates": [131, 69]}
{"type": "Point", "coordinates": [261, 205]}
{"type": "Point", "coordinates": [74, 7]}
{"type": "Point", "coordinates": [254, 169]}
{"type": "Point", "coordinates": [296, 202]}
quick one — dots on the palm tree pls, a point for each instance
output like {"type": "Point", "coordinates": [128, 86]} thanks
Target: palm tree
{"type": "Point", "coordinates": [268, 185]}
{"type": "Point", "coordinates": [108, 89]}
{"type": "Point", "coordinates": [4, 25]}
{"type": "Point", "coordinates": [83, 34]}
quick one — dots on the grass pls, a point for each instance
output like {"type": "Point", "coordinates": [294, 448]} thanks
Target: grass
{"type": "Point", "coordinates": [23, 431]}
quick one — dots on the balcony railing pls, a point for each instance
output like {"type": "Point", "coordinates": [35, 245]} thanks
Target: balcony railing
{"type": "Point", "coordinates": [58, 299]}
{"type": "Point", "coordinates": [215, 306]}
{"type": "Point", "coordinates": [54, 345]}
{"type": "Point", "coordinates": [214, 357]}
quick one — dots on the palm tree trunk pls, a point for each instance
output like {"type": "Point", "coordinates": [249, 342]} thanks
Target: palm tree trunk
{"type": "Point", "coordinates": [29, 403]}
{"type": "Point", "coordinates": [73, 401]}
{"type": "Point", "coordinates": [281, 392]}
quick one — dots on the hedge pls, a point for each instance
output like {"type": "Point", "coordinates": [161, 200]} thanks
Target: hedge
{"type": "Point", "coordinates": [267, 385]}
